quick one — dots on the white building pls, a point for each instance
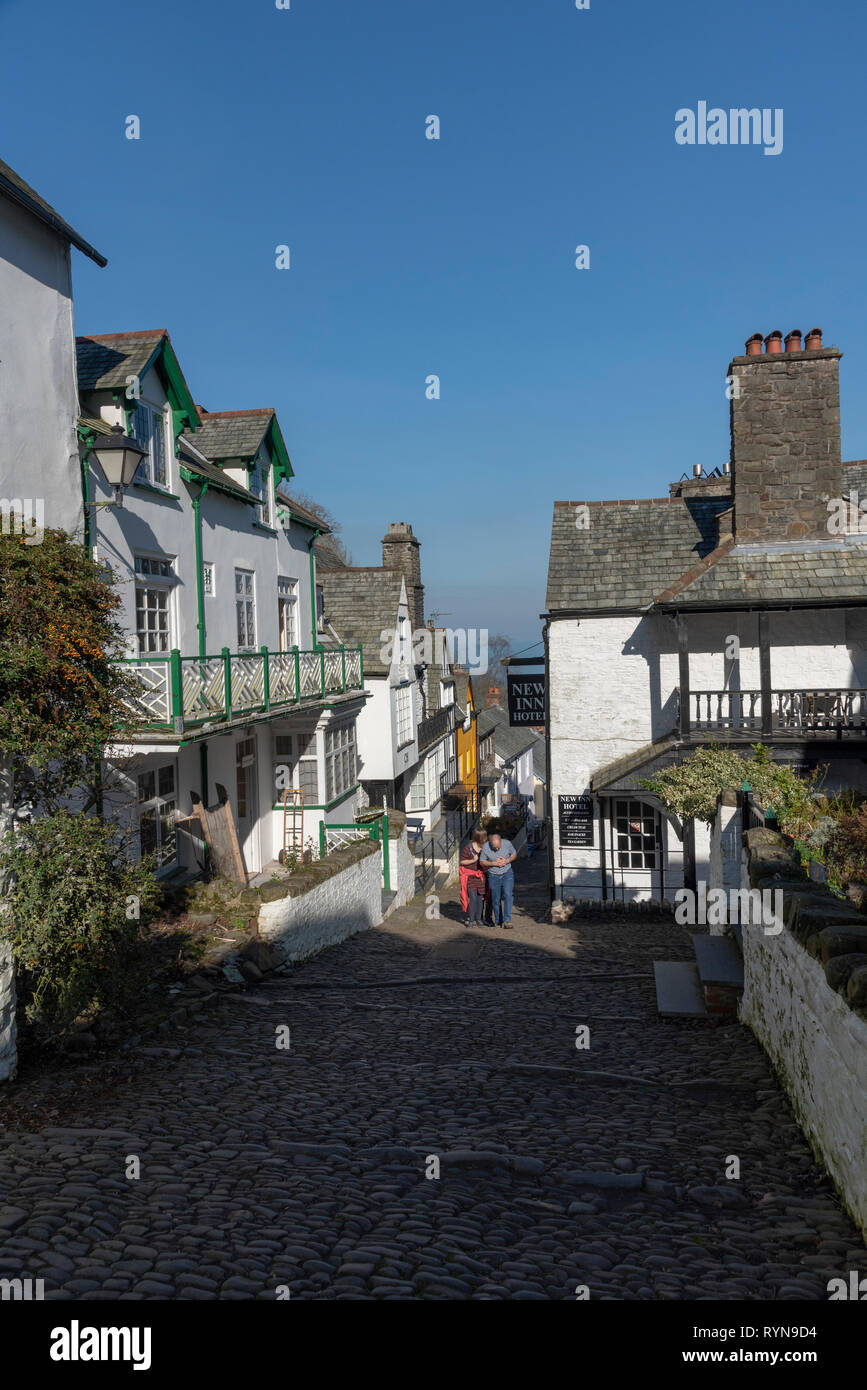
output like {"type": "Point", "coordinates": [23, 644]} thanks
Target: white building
{"type": "Point", "coordinates": [507, 757]}
{"type": "Point", "coordinates": [38, 445]}
{"type": "Point", "coordinates": [732, 610]}
{"type": "Point", "coordinates": [215, 564]}
{"type": "Point", "coordinates": [406, 733]}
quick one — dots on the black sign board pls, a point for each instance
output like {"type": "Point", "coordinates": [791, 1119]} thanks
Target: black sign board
{"type": "Point", "coordinates": [526, 698]}
{"type": "Point", "coordinates": [576, 822]}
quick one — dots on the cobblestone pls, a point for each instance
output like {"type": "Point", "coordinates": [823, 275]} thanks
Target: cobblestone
{"type": "Point", "coordinates": [263, 1167]}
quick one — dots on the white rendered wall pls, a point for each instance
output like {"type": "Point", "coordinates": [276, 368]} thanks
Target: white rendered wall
{"type": "Point", "coordinates": [38, 403]}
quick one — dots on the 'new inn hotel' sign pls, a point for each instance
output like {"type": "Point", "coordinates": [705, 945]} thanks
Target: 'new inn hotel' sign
{"type": "Point", "coordinates": [526, 696]}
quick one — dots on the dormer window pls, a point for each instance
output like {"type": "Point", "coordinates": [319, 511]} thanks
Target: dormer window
{"type": "Point", "coordinates": [260, 478]}
{"type": "Point", "coordinates": [148, 428]}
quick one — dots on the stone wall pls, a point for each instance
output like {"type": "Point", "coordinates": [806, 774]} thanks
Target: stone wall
{"type": "Point", "coordinates": [805, 998]}
{"type": "Point", "coordinates": [8, 1050]}
{"type": "Point", "coordinates": [401, 862]}
{"type": "Point", "coordinates": [724, 867]}
{"type": "Point", "coordinates": [328, 902]}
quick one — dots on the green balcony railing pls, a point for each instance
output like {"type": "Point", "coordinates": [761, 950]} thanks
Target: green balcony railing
{"type": "Point", "coordinates": [184, 692]}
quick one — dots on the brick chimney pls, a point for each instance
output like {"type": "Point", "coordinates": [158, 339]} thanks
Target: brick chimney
{"type": "Point", "coordinates": [493, 697]}
{"type": "Point", "coordinates": [400, 551]}
{"type": "Point", "coordinates": [785, 436]}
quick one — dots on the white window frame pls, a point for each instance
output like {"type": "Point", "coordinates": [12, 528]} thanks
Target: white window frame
{"type": "Point", "coordinates": [418, 790]}
{"type": "Point", "coordinates": [403, 727]}
{"type": "Point", "coordinates": [341, 759]}
{"type": "Point", "coordinates": [307, 751]}
{"type": "Point", "coordinates": [245, 597]}
{"type": "Point", "coordinates": [149, 422]}
{"type": "Point", "coordinates": [154, 576]}
{"type": "Point", "coordinates": [287, 609]}
{"type": "Point", "coordinates": [260, 486]}
{"type": "Point", "coordinates": [166, 849]}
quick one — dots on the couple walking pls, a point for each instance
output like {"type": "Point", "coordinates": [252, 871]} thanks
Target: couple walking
{"type": "Point", "coordinates": [487, 876]}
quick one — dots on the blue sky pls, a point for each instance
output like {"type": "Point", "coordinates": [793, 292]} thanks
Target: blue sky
{"type": "Point", "coordinates": [412, 257]}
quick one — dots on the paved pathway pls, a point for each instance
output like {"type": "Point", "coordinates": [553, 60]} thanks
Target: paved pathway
{"type": "Point", "coordinates": [305, 1168]}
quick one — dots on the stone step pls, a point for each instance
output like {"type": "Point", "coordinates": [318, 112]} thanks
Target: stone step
{"type": "Point", "coordinates": [678, 989]}
{"type": "Point", "coordinates": [718, 961]}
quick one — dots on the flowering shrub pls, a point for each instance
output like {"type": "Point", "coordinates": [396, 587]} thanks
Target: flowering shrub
{"type": "Point", "coordinates": [690, 789]}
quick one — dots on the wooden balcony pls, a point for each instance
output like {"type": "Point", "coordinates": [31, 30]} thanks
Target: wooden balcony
{"type": "Point", "coordinates": [752, 715]}
{"type": "Point", "coordinates": [179, 693]}
{"type": "Point", "coordinates": [435, 727]}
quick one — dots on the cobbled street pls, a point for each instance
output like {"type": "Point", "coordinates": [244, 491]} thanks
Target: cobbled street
{"type": "Point", "coordinates": [304, 1169]}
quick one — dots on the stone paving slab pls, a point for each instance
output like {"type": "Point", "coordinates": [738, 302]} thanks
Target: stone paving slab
{"type": "Point", "coordinates": [558, 1166]}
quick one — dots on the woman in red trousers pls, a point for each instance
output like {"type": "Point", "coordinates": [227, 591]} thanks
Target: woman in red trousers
{"type": "Point", "coordinates": [474, 885]}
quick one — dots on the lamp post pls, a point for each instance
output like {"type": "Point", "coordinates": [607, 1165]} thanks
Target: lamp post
{"type": "Point", "coordinates": [119, 457]}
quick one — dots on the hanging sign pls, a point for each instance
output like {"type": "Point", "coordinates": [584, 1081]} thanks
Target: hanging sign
{"type": "Point", "coordinates": [526, 696]}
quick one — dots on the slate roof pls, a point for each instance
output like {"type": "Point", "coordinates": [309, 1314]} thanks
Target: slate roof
{"type": "Point", "coordinates": [360, 603]}
{"type": "Point", "coordinates": [637, 554]}
{"type": "Point", "coordinates": [203, 468]}
{"type": "Point", "coordinates": [540, 760]}
{"type": "Point", "coordinates": [14, 187]}
{"type": "Point", "coordinates": [630, 551]}
{"type": "Point", "coordinates": [508, 741]}
{"type": "Point", "coordinates": [106, 360]}
{"type": "Point", "coordinates": [232, 434]}
{"type": "Point", "coordinates": [300, 513]}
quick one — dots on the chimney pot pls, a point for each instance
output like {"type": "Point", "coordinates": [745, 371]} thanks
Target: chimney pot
{"type": "Point", "coordinates": [814, 340]}
{"type": "Point", "coordinates": [696, 470]}
{"type": "Point", "coordinates": [793, 340]}
{"type": "Point", "coordinates": [727, 468]}
{"type": "Point", "coordinates": [774, 341]}
{"type": "Point", "coordinates": [754, 345]}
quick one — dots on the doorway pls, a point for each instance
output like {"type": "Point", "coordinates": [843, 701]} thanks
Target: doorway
{"type": "Point", "coordinates": [636, 850]}
{"type": "Point", "coordinates": [246, 802]}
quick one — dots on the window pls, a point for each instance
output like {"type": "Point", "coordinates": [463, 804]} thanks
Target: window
{"type": "Point", "coordinates": [152, 603]}
{"type": "Point", "coordinates": [340, 760]}
{"type": "Point", "coordinates": [417, 800]}
{"type": "Point", "coordinates": [287, 599]}
{"type": "Point", "coordinates": [245, 609]}
{"type": "Point", "coordinates": [308, 768]}
{"type": "Point", "coordinates": [260, 478]}
{"type": "Point", "coordinates": [283, 765]}
{"type": "Point", "coordinates": [245, 756]}
{"type": "Point", "coordinates": [435, 765]}
{"type": "Point", "coordinates": [209, 579]}
{"type": "Point", "coordinates": [148, 428]}
{"type": "Point", "coordinates": [156, 806]}
{"type": "Point", "coordinates": [634, 827]}
{"type": "Point", "coordinates": [320, 603]}
{"type": "Point", "coordinates": [403, 714]}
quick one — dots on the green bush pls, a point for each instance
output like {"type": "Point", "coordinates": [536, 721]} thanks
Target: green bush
{"type": "Point", "coordinates": [690, 789]}
{"type": "Point", "coordinates": [846, 851]}
{"type": "Point", "coordinates": [75, 906]}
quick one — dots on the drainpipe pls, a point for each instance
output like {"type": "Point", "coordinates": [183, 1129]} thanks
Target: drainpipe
{"type": "Point", "coordinates": [549, 800]}
{"type": "Point", "coordinates": [310, 546]}
{"type": "Point", "coordinates": [85, 493]}
{"type": "Point", "coordinates": [200, 608]}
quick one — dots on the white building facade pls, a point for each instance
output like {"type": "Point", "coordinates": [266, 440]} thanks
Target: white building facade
{"type": "Point", "coordinates": [215, 564]}
{"type": "Point", "coordinates": [731, 611]}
